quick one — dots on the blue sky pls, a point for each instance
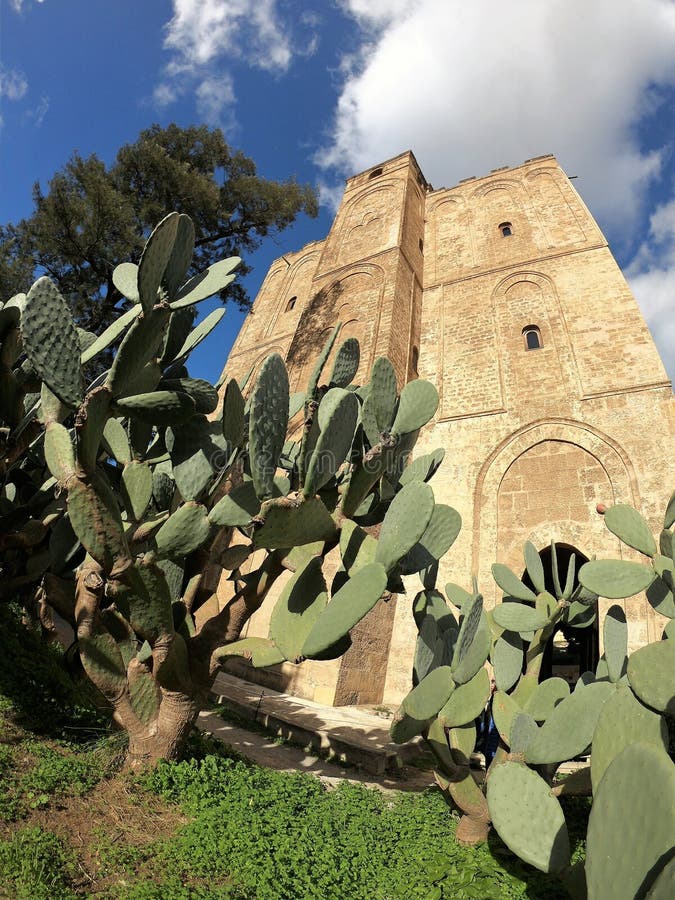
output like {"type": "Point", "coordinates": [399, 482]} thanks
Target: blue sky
{"type": "Point", "coordinates": [325, 88]}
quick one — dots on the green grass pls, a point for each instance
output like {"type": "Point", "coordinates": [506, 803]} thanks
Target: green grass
{"type": "Point", "coordinates": [251, 833]}
{"type": "Point", "coordinates": [280, 836]}
{"type": "Point", "coordinates": [35, 865]}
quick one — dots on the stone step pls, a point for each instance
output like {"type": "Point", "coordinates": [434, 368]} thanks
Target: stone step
{"type": "Point", "coordinates": [352, 735]}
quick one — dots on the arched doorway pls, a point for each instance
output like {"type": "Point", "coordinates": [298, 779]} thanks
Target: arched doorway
{"type": "Point", "coordinates": [570, 651]}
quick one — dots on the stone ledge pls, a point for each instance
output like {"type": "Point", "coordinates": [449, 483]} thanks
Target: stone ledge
{"type": "Point", "coordinates": [355, 736]}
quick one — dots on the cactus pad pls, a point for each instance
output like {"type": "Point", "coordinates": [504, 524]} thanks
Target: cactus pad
{"type": "Point", "coordinates": [535, 567]}
{"type": "Point", "coordinates": [404, 728]}
{"type": "Point", "coordinates": [125, 279]}
{"type": "Point", "coordinates": [158, 407]}
{"type": "Point", "coordinates": [51, 342]}
{"type": "Point", "coordinates": [523, 732]}
{"type": "Point", "coordinates": [504, 711]}
{"type": "Point", "coordinates": [615, 634]}
{"type": "Point", "coordinates": [469, 656]}
{"type": "Point", "coordinates": [302, 600]}
{"type": "Point", "coordinates": [615, 578]}
{"type": "Point", "coordinates": [111, 333]}
{"type": "Point", "coordinates": [568, 731]}
{"type": "Point", "coordinates": [204, 394]}
{"type": "Point", "coordinates": [518, 617]}
{"type": "Point", "coordinates": [507, 660]}
{"type": "Point", "coordinates": [237, 508]}
{"type": "Point", "coordinates": [268, 423]}
{"type": "Point", "coordinates": [417, 406]}
{"type": "Point", "coordinates": [382, 395]}
{"type": "Point", "coordinates": [259, 651]}
{"type": "Point", "coordinates": [197, 451]}
{"type": "Point", "coordinates": [528, 817]}
{"type": "Point", "coordinates": [629, 526]}
{"type": "Point", "coordinates": [405, 522]}
{"type": "Point", "coordinates": [233, 414]}
{"type": "Point", "coordinates": [347, 607]}
{"type": "Point", "coordinates": [422, 468]}
{"type": "Point", "coordinates": [623, 720]}
{"type": "Point", "coordinates": [59, 453]}
{"type": "Point", "coordinates": [462, 740]}
{"type": "Point", "coordinates": [201, 332]}
{"type": "Point", "coordinates": [103, 663]}
{"type": "Point", "coordinates": [154, 260]}
{"type": "Point", "coordinates": [467, 701]}
{"type": "Point", "coordinates": [511, 585]}
{"type": "Point", "coordinates": [630, 827]}
{"type": "Point", "coordinates": [338, 414]}
{"type": "Point", "coordinates": [651, 674]}
{"type": "Point", "coordinates": [545, 697]}
{"type": "Point", "coordinates": [430, 695]}
{"type": "Point", "coordinates": [357, 548]}
{"type": "Point", "coordinates": [207, 283]}
{"type": "Point", "coordinates": [439, 535]}
{"type": "Point", "coordinates": [96, 521]}
{"type": "Point", "coordinates": [144, 692]}
{"type": "Point", "coordinates": [184, 531]}
{"type": "Point", "coordinates": [293, 523]}
{"type": "Point", "coordinates": [136, 488]}
{"type": "Point", "coordinates": [346, 363]}
{"type": "Point", "coordinates": [138, 347]}
{"type": "Point", "coordinates": [181, 255]}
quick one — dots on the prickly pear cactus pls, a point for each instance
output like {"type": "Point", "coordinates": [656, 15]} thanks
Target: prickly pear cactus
{"type": "Point", "coordinates": [614, 716]}
{"type": "Point", "coordinates": [123, 501]}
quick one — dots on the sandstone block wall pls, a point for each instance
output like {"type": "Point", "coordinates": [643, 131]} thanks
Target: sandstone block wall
{"type": "Point", "coordinates": [534, 438]}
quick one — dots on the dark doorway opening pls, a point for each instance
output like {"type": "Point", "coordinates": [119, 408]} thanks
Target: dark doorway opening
{"type": "Point", "coordinates": [570, 651]}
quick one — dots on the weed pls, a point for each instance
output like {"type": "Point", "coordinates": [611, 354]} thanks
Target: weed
{"type": "Point", "coordinates": [35, 865]}
{"type": "Point", "coordinates": [280, 836]}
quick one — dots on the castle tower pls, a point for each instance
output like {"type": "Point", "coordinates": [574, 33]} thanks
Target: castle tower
{"type": "Point", "coordinates": [553, 397]}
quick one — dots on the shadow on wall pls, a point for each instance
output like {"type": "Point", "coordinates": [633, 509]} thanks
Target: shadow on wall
{"type": "Point", "coordinates": [310, 337]}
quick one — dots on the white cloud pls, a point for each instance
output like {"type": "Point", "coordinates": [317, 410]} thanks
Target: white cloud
{"type": "Point", "coordinates": [36, 115]}
{"type": "Point", "coordinates": [215, 97]}
{"type": "Point", "coordinates": [204, 36]}
{"type": "Point", "coordinates": [651, 276]}
{"type": "Point", "coordinates": [204, 30]}
{"type": "Point", "coordinates": [13, 84]}
{"type": "Point", "coordinates": [17, 5]}
{"type": "Point", "coordinates": [470, 86]}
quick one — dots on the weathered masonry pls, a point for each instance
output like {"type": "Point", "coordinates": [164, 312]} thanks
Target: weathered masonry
{"type": "Point", "coordinates": [504, 293]}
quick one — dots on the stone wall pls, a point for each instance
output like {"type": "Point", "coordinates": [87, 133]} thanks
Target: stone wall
{"type": "Point", "coordinates": [534, 438]}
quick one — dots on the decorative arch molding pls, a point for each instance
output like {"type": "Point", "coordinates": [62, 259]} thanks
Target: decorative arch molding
{"type": "Point", "coordinates": [449, 197]}
{"type": "Point", "coordinates": [376, 272]}
{"type": "Point", "coordinates": [463, 228]}
{"type": "Point", "coordinates": [290, 276]}
{"type": "Point", "coordinates": [564, 346]}
{"type": "Point", "coordinates": [610, 455]}
{"type": "Point", "coordinates": [356, 211]}
{"type": "Point", "coordinates": [556, 177]}
{"type": "Point", "coordinates": [504, 184]}
{"type": "Point", "coordinates": [519, 191]}
{"type": "Point", "coordinates": [530, 275]}
{"type": "Point", "coordinates": [368, 190]}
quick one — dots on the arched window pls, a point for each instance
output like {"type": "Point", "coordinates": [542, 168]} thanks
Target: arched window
{"type": "Point", "coordinates": [421, 245]}
{"type": "Point", "coordinates": [506, 229]}
{"type": "Point", "coordinates": [532, 337]}
{"type": "Point", "coordinates": [376, 172]}
{"type": "Point", "coordinates": [291, 304]}
{"type": "Point", "coordinates": [415, 359]}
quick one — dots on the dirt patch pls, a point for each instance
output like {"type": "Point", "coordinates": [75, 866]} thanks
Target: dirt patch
{"type": "Point", "coordinates": [111, 822]}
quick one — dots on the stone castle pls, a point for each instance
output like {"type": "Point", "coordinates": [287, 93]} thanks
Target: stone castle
{"type": "Point", "coordinates": [502, 291]}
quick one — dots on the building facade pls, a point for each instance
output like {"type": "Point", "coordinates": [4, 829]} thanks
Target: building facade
{"type": "Point", "coordinates": [502, 291]}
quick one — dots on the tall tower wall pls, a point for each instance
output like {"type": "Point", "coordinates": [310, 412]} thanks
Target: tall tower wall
{"type": "Point", "coordinates": [536, 435]}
